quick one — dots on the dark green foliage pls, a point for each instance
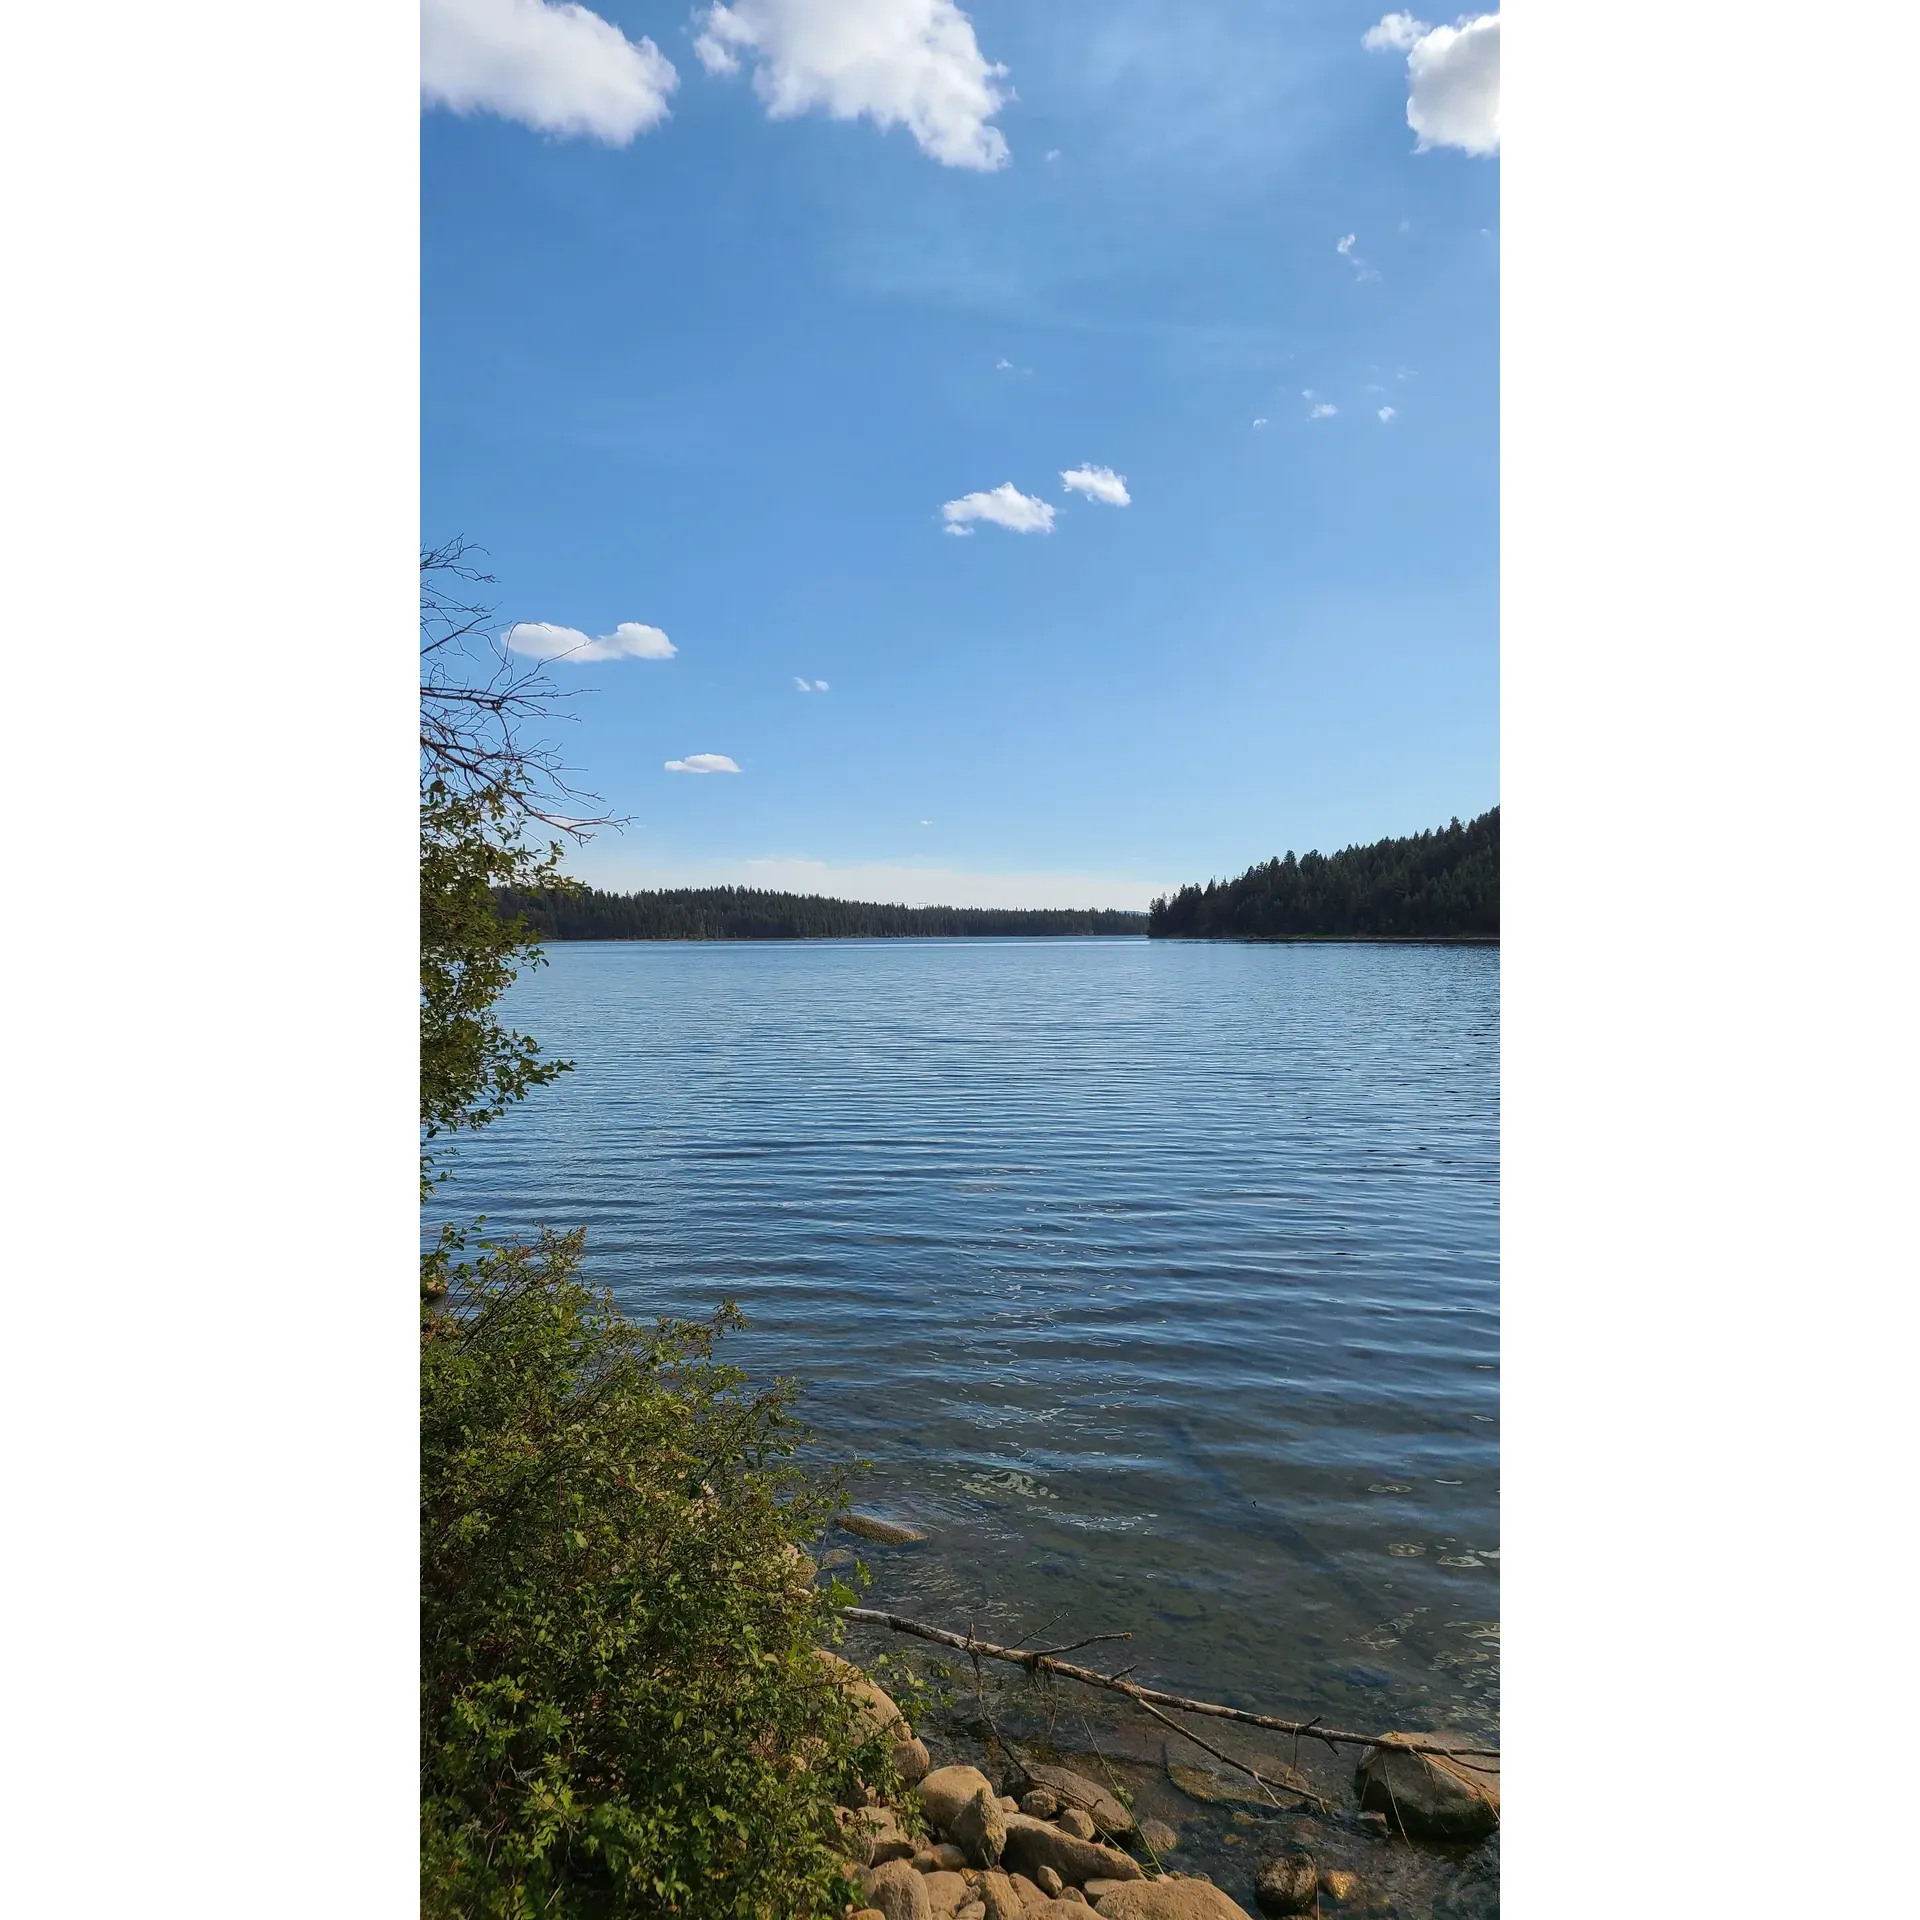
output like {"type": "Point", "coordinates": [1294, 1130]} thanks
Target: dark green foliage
{"type": "Point", "coordinates": [747, 913]}
{"type": "Point", "coordinates": [472, 1067]}
{"type": "Point", "coordinates": [1428, 886]}
{"type": "Point", "coordinates": [620, 1713]}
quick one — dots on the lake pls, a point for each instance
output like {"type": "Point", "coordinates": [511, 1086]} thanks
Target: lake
{"type": "Point", "coordinates": [1159, 1281]}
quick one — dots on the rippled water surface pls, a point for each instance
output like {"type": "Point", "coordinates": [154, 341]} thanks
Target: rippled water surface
{"type": "Point", "coordinates": [1158, 1280]}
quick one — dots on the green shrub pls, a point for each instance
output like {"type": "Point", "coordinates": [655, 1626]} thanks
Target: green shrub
{"type": "Point", "coordinates": [620, 1711]}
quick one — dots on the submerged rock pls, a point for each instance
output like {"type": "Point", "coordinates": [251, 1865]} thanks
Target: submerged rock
{"type": "Point", "coordinates": [888, 1533]}
{"type": "Point", "coordinates": [1288, 1883]}
{"type": "Point", "coordinates": [1429, 1797]}
{"type": "Point", "coordinates": [1221, 1790]}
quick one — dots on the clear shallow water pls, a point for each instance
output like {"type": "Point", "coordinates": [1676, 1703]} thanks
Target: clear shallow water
{"type": "Point", "coordinates": [1159, 1281]}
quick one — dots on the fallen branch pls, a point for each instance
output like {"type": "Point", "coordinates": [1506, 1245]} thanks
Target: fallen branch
{"type": "Point", "coordinates": [1112, 1683]}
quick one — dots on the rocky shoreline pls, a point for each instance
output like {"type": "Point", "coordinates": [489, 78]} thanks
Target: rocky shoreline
{"type": "Point", "coordinates": [1049, 1843]}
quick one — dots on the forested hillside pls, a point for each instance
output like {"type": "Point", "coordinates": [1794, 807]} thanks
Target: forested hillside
{"type": "Point", "coordinates": [747, 913]}
{"type": "Point", "coordinates": [1440, 885]}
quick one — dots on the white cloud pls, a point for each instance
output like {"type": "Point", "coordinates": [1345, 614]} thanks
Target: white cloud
{"type": "Point", "coordinates": [1397, 32]}
{"type": "Point", "coordinates": [1006, 506]}
{"type": "Point", "coordinates": [541, 640]}
{"type": "Point", "coordinates": [1322, 410]}
{"type": "Point", "coordinates": [1363, 269]}
{"type": "Point", "coordinates": [809, 686]}
{"type": "Point", "coordinates": [1453, 78]}
{"type": "Point", "coordinates": [1262, 421]}
{"type": "Point", "coordinates": [1053, 153]}
{"type": "Point", "coordinates": [560, 69]}
{"type": "Point", "coordinates": [1098, 483]}
{"type": "Point", "coordinates": [703, 763]}
{"type": "Point", "coordinates": [1386, 414]}
{"type": "Point", "coordinates": [911, 63]}
{"type": "Point", "coordinates": [1003, 366]}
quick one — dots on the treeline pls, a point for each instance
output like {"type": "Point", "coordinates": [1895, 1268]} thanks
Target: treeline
{"type": "Point", "coordinates": [1426, 886]}
{"type": "Point", "coordinates": [748, 913]}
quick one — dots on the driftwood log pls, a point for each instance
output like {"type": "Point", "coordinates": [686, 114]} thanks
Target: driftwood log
{"type": "Point", "coordinates": [1046, 1662]}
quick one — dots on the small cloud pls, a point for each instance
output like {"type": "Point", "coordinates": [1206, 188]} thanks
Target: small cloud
{"type": "Point", "coordinates": [1005, 506]}
{"type": "Point", "coordinates": [1003, 366]}
{"type": "Point", "coordinates": [1407, 373]}
{"type": "Point", "coordinates": [1053, 153]}
{"type": "Point", "coordinates": [541, 640]}
{"type": "Point", "coordinates": [1324, 410]}
{"type": "Point", "coordinates": [1098, 483]}
{"type": "Point", "coordinates": [1385, 415]}
{"type": "Point", "coordinates": [1406, 226]}
{"type": "Point", "coordinates": [1363, 270]}
{"type": "Point", "coordinates": [1261, 421]}
{"type": "Point", "coordinates": [558, 69]}
{"type": "Point", "coordinates": [1397, 33]}
{"type": "Point", "coordinates": [809, 686]}
{"type": "Point", "coordinates": [703, 763]}
{"type": "Point", "coordinates": [926, 823]}
{"type": "Point", "coordinates": [1453, 79]}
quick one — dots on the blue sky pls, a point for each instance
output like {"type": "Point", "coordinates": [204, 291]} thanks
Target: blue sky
{"type": "Point", "coordinates": [707, 352]}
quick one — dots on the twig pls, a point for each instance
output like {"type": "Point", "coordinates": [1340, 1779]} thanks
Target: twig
{"type": "Point", "coordinates": [1047, 1653]}
{"type": "Point", "coordinates": [1112, 1683]}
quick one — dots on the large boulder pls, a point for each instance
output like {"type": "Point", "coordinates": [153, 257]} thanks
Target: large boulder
{"type": "Point", "coordinates": [979, 1830]}
{"type": "Point", "coordinates": [1032, 1844]}
{"type": "Point", "coordinates": [876, 1708]}
{"type": "Point", "coordinates": [946, 1790]}
{"type": "Point", "coordinates": [872, 1836]}
{"type": "Point", "coordinates": [946, 1892]}
{"type": "Point", "coordinates": [1000, 1896]}
{"type": "Point", "coordinates": [911, 1761]}
{"type": "Point", "coordinates": [1428, 1796]}
{"type": "Point", "coordinates": [1072, 1789]}
{"type": "Point", "coordinates": [1169, 1899]}
{"type": "Point", "coordinates": [899, 1892]}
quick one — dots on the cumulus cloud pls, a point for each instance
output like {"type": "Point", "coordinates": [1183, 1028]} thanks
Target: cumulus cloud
{"type": "Point", "coordinates": [809, 686]}
{"type": "Point", "coordinates": [901, 63]}
{"type": "Point", "coordinates": [1006, 506]}
{"type": "Point", "coordinates": [703, 763]}
{"type": "Point", "coordinates": [1322, 410]}
{"type": "Point", "coordinates": [541, 640]}
{"type": "Point", "coordinates": [1453, 78]}
{"type": "Point", "coordinates": [560, 69]}
{"type": "Point", "coordinates": [1098, 483]}
{"type": "Point", "coordinates": [1386, 414]}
